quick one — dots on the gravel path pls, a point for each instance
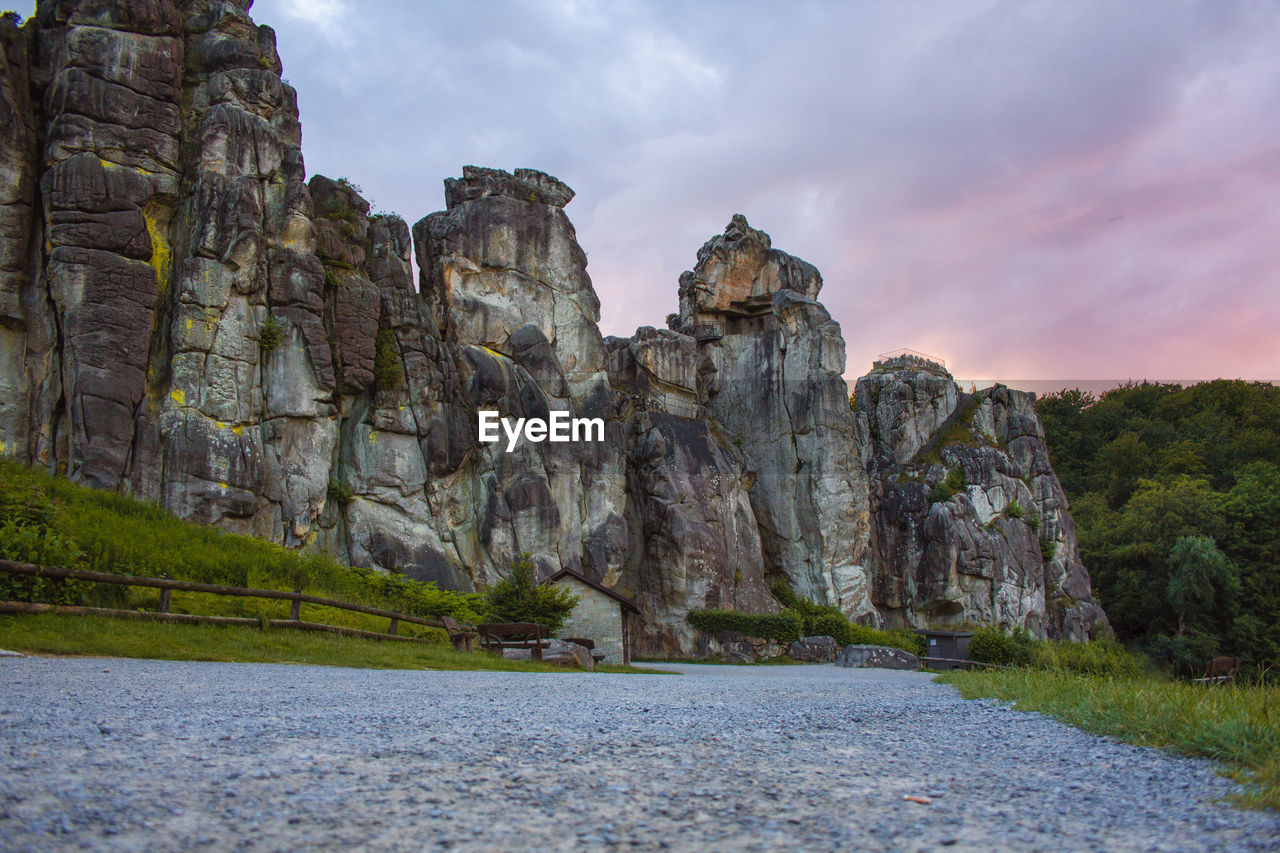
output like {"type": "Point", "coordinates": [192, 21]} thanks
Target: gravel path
{"type": "Point", "coordinates": [142, 755]}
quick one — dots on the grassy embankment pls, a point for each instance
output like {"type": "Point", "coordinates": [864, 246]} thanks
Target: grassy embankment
{"type": "Point", "coordinates": [1238, 725]}
{"type": "Point", "coordinates": [51, 521]}
{"type": "Point", "coordinates": [53, 634]}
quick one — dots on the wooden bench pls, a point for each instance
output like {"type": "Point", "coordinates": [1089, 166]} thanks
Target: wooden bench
{"type": "Point", "coordinates": [589, 645]}
{"type": "Point", "coordinates": [495, 637]}
{"type": "Point", "coordinates": [459, 636]}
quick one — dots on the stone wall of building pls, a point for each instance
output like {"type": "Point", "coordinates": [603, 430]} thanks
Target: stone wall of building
{"type": "Point", "coordinates": [597, 617]}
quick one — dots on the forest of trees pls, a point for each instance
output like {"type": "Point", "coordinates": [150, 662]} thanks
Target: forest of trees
{"type": "Point", "coordinates": [1176, 496]}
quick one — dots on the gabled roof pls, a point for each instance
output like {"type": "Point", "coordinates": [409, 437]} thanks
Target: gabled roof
{"type": "Point", "coordinates": [570, 573]}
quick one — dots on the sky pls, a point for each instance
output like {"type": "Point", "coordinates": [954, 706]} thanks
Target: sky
{"type": "Point", "coordinates": [1067, 189]}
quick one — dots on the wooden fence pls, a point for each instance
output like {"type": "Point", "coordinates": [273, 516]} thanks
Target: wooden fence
{"type": "Point", "coordinates": [166, 587]}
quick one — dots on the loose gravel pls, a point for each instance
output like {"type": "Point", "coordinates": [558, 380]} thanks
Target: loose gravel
{"type": "Point", "coordinates": [157, 755]}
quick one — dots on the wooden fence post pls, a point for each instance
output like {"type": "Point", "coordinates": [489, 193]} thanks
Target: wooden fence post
{"type": "Point", "coordinates": [165, 602]}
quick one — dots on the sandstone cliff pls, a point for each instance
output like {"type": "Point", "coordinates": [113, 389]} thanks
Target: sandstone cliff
{"type": "Point", "coordinates": [185, 316]}
{"type": "Point", "coordinates": [969, 521]}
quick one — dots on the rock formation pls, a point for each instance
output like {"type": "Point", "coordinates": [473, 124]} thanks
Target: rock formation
{"type": "Point", "coordinates": [777, 389]}
{"type": "Point", "coordinates": [970, 524]}
{"type": "Point", "coordinates": [184, 316]}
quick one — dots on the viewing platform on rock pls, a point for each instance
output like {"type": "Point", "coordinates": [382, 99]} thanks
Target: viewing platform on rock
{"type": "Point", "coordinates": [909, 359]}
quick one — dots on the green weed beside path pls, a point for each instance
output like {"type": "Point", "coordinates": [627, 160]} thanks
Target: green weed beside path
{"type": "Point", "coordinates": [1238, 725]}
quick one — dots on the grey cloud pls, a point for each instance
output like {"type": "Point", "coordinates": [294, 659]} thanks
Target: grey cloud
{"type": "Point", "coordinates": [951, 168]}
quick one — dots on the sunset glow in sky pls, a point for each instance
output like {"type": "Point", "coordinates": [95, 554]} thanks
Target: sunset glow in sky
{"type": "Point", "coordinates": [1034, 190]}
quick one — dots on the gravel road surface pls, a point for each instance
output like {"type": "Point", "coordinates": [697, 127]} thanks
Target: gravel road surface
{"type": "Point", "coordinates": [154, 755]}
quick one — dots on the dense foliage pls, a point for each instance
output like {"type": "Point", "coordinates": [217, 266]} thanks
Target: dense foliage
{"type": "Point", "coordinates": [1100, 657]}
{"type": "Point", "coordinates": [802, 618]}
{"type": "Point", "coordinates": [51, 521]}
{"type": "Point", "coordinates": [783, 627]}
{"type": "Point", "coordinates": [520, 598]}
{"type": "Point", "coordinates": [820, 620]}
{"type": "Point", "coordinates": [1176, 497]}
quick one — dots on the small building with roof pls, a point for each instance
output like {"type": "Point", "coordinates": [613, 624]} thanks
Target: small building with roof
{"type": "Point", "coordinates": [602, 615]}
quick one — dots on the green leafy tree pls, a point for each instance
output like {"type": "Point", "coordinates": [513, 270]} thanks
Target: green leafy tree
{"type": "Point", "coordinates": [520, 598]}
{"type": "Point", "coordinates": [1121, 464]}
{"type": "Point", "coordinates": [1146, 464]}
{"type": "Point", "coordinates": [1198, 574]}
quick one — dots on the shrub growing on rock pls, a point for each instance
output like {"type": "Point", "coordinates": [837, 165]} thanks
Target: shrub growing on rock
{"type": "Point", "coordinates": [271, 334]}
{"type": "Point", "coordinates": [340, 492]}
{"type": "Point", "coordinates": [948, 486]}
{"type": "Point", "coordinates": [388, 373]}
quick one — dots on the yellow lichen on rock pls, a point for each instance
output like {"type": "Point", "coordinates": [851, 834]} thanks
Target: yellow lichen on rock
{"type": "Point", "coordinates": [161, 254]}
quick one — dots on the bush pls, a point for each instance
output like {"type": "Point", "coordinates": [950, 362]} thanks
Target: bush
{"type": "Point", "coordinates": [341, 493]}
{"type": "Point", "coordinates": [29, 534]}
{"type": "Point", "coordinates": [783, 627]}
{"type": "Point", "coordinates": [334, 208]}
{"type": "Point", "coordinates": [1184, 655]}
{"type": "Point", "coordinates": [900, 638]}
{"type": "Point", "coordinates": [388, 373]}
{"type": "Point", "coordinates": [271, 334]}
{"type": "Point", "coordinates": [819, 620]}
{"type": "Point", "coordinates": [830, 625]}
{"type": "Point", "coordinates": [1013, 509]}
{"type": "Point", "coordinates": [991, 645]}
{"type": "Point", "coordinates": [946, 488]}
{"type": "Point", "coordinates": [520, 598]}
{"type": "Point", "coordinates": [1099, 657]}
{"type": "Point", "coordinates": [1048, 548]}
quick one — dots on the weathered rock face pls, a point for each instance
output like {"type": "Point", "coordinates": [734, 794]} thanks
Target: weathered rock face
{"type": "Point", "coordinates": [111, 78]}
{"type": "Point", "coordinates": [184, 316]}
{"type": "Point", "coordinates": [970, 523]}
{"type": "Point", "coordinates": [775, 386]}
{"type": "Point", "coordinates": [696, 544]}
{"type": "Point", "coordinates": [821, 649]}
{"type": "Point", "coordinates": [26, 334]}
{"type": "Point", "coordinates": [504, 282]}
{"type": "Point", "coordinates": [877, 657]}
